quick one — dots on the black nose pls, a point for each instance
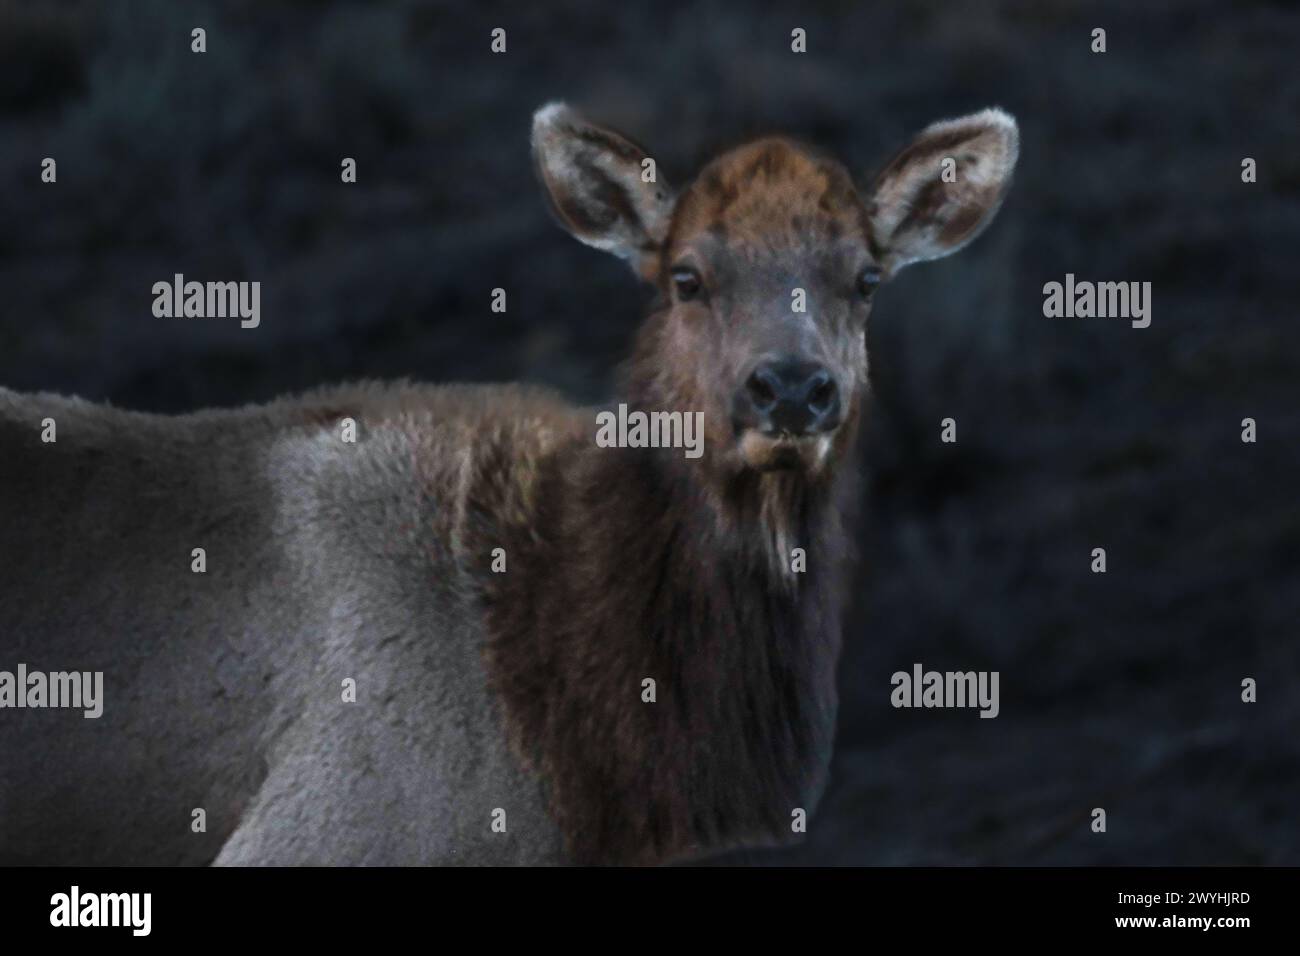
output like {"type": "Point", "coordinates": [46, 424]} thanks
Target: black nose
{"type": "Point", "coordinates": [792, 396]}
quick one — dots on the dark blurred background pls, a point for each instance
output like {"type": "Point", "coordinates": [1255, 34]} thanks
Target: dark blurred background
{"type": "Point", "coordinates": [1119, 690]}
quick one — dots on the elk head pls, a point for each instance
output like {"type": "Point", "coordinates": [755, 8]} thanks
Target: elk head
{"type": "Point", "coordinates": [766, 265]}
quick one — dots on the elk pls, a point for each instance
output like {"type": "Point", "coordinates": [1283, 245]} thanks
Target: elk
{"type": "Point", "coordinates": [474, 635]}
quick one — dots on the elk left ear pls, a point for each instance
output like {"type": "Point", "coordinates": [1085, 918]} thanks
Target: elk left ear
{"type": "Point", "coordinates": [604, 189]}
{"type": "Point", "coordinates": [942, 190]}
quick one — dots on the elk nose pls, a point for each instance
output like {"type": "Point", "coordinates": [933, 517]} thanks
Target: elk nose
{"type": "Point", "coordinates": [793, 397]}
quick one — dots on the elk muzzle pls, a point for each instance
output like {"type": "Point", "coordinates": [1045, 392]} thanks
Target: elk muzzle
{"type": "Point", "coordinates": [785, 412]}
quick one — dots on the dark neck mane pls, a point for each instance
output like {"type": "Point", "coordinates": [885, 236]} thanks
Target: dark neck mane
{"type": "Point", "coordinates": [629, 569]}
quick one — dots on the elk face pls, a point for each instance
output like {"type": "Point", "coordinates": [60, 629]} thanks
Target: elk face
{"type": "Point", "coordinates": [767, 264]}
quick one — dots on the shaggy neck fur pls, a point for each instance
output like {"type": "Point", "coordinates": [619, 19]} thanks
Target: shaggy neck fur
{"type": "Point", "coordinates": [635, 564]}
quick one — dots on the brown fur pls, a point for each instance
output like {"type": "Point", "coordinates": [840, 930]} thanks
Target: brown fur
{"type": "Point", "coordinates": [768, 195]}
{"type": "Point", "coordinates": [679, 571]}
{"type": "Point", "coordinates": [632, 564]}
{"type": "Point", "coordinates": [646, 578]}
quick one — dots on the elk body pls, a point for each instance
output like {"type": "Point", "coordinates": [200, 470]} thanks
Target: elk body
{"type": "Point", "coordinates": [498, 588]}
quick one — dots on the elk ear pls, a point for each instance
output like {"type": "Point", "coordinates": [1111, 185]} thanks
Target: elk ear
{"type": "Point", "coordinates": [601, 187]}
{"type": "Point", "coordinates": [942, 190]}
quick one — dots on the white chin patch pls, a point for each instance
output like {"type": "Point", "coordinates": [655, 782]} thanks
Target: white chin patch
{"type": "Point", "coordinates": [765, 453]}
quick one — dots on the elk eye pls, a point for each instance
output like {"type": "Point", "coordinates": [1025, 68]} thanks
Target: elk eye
{"type": "Point", "coordinates": [687, 283]}
{"type": "Point", "coordinates": [868, 280]}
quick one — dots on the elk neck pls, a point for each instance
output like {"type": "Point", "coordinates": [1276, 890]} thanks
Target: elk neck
{"type": "Point", "coordinates": [640, 565]}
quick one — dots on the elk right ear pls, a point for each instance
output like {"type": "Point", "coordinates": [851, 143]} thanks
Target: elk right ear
{"type": "Point", "coordinates": [602, 186]}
